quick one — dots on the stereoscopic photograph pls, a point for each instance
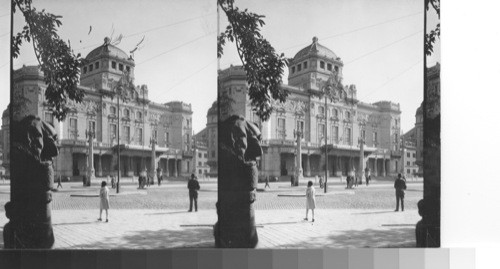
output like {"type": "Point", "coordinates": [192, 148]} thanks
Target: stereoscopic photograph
{"type": "Point", "coordinates": [316, 125]}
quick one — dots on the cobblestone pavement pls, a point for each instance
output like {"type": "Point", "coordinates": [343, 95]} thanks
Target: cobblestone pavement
{"type": "Point", "coordinates": [157, 217]}
{"type": "Point", "coordinates": [280, 196]}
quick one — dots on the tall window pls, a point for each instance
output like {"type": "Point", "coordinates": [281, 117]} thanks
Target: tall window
{"type": "Point", "coordinates": [167, 138]}
{"type": "Point", "coordinates": [73, 131]}
{"type": "Point", "coordinates": [299, 68]}
{"type": "Point", "coordinates": [375, 138]}
{"type": "Point", "coordinates": [112, 133]}
{"type": "Point", "coordinates": [329, 67]}
{"type": "Point", "coordinates": [126, 134]}
{"type": "Point", "coordinates": [348, 136]}
{"type": "Point", "coordinates": [293, 69]}
{"type": "Point", "coordinates": [322, 65]}
{"type": "Point", "coordinates": [155, 134]}
{"type": "Point", "coordinates": [91, 67]}
{"type": "Point", "coordinates": [321, 132]}
{"type": "Point", "coordinates": [335, 113]}
{"type": "Point", "coordinates": [139, 135]}
{"type": "Point", "coordinates": [139, 115]}
{"type": "Point", "coordinates": [120, 67]}
{"type": "Point", "coordinates": [113, 65]}
{"type": "Point", "coordinates": [112, 110]}
{"type": "Point", "coordinates": [281, 128]}
{"type": "Point", "coordinates": [97, 65]}
{"type": "Point", "coordinates": [335, 134]}
{"type": "Point", "coordinates": [347, 115]}
{"type": "Point", "coordinates": [305, 65]}
{"type": "Point", "coordinates": [363, 134]}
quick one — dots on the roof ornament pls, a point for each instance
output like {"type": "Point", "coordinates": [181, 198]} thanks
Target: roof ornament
{"type": "Point", "coordinates": [314, 45]}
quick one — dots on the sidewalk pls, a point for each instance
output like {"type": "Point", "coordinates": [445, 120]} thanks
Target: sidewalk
{"type": "Point", "coordinates": [148, 229]}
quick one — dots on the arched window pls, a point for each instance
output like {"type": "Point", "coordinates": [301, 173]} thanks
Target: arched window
{"type": "Point", "coordinates": [139, 115]}
{"type": "Point", "coordinates": [126, 113]}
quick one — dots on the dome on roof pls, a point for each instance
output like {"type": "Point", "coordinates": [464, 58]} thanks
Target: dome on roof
{"type": "Point", "coordinates": [315, 49]}
{"type": "Point", "coordinates": [107, 50]}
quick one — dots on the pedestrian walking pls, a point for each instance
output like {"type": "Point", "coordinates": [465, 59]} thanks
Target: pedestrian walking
{"type": "Point", "coordinates": [267, 183]}
{"type": "Point", "coordinates": [292, 179]}
{"type": "Point", "coordinates": [400, 186]}
{"type": "Point", "coordinates": [112, 182]}
{"type": "Point", "coordinates": [310, 199]}
{"type": "Point", "coordinates": [367, 176]}
{"type": "Point", "coordinates": [321, 182]}
{"type": "Point", "coordinates": [59, 182]}
{"type": "Point", "coordinates": [194, 187]}
{"type": "Point", "coordinates": [104, 197]}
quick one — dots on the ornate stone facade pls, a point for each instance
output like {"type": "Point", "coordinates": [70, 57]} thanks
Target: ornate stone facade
{"type": "Point", "coordinates": [313, 71]}
{"type": "Point", "coordinates": [139, 119]}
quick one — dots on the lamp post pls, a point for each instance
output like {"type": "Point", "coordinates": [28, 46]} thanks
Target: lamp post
{"type": "Point", "coordinates": [298, 134]}
{"type": "Point", "coordinates": [90, 135]}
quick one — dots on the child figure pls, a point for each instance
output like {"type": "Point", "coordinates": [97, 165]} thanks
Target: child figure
{"type": "Point", "coordinates": [310, 199]}
{"type": "Point", "coordinates": [104, 197]}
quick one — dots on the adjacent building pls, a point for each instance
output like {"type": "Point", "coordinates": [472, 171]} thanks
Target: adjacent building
{"type": "Point", "coordinates": [344, 118]}
{"type": "Point", "coordinates": [131, 125]}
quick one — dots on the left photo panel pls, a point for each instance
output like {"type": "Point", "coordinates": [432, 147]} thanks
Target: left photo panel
{"type": "Point", "coordinates": [105, 109]}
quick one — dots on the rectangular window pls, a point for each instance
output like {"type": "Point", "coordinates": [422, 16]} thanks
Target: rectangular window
{"type": "Point", "coordinates": [205, 155]}
{"type": "Point", "coordinates": [120, 67]}
{"type": "Point", "coordinates": [305, 65]}
{"type": "Point", "coordinates": [128, 69]}
{"type": "Point", "coordinates": [321, 132]}
{"type": "Point", "coordinates": [199, 154]}
{"type": "Point", "coordinates": [375, 138]}
{"type": "Point", "coordinates": [112, 133]}
{"type": "Point", "coordinates": [335, 134]}
{"type": "Point", "coordinates": [97, 65]}
{"type": "Point", "coordinates": [336, 68]}
{"type": "Point", "coordinates": [113, 65]}
{"type": "Point", "coordinates": [49, 118]}
{"type": "Point", "coordinates": [363, 134]}
{"type": "Point", "coordinates": [408, 163]}
{"type": "Point", "coordinates": [414, 155]}
{"type": "Point", "coordinates": [167, 138]}
{"type": "Point", "coordinates": [126, 134]}
{"type": "Point", "coordinates": [281, 128]}
{"type": "Point", "coordinates": [321, 111]}
{"type": "Point", "coordinates": [84, 69]}
{"type": "Point", "coordinates": [139, 135]}
{"type": "Point", "coordinates": [199, 163]}
{"type": "Point", "coordinates": [73, 131]}
{"type": "Point", "coordinates": [348, 115]}
{"type": "Point", "coordinates": [348, 136]}
{"type": "Point", "coordinates": [408, 171]}
{"type": "Point", "coordinates": [408, 154]}
{"type": "Point", "coordinates": [91, 67]}
{"type": "Point", "coordinates": [329, 67]}
{"type": "Point", "coordinates": [299, 68]}
{"type": "Point", "coordinates": [293, 69]}
{"type": "Point", "coordinates": [155, 134]}
{"type": "Point", "coordinates": [322, 65]}
{"type": "Point", "coordinates": [112, 110]}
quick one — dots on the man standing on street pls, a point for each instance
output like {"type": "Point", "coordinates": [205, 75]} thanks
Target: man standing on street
{"type": "Point", "coordinates": [400, 186]}
{"type": "Point", "coordinates": [267, 183]}
{"type": "Point", "coordinates": [193, 187]}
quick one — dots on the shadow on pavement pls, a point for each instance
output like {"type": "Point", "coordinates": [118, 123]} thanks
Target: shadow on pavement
{"type": "Point", "coordinates": [375, 212]}
{"type": "Point", "coordinates": [74, 223]}
{"type": "Point", "coordinates": [147, 239]}
{"type": "Point", "coordinates": [168, 213]}
{"type": "Point", "coordinates": [369, 238]}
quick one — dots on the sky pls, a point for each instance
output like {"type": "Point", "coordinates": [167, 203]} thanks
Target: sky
{"type": "Point", "coordinates": [177, 61]}
{"type": "Point", "coordinates": [380, 42]}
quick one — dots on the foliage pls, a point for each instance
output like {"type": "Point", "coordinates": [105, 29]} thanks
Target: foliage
{"type": "Point", "coordinates": [430, 38]}
{"type": "Point", "coordinates": [60, 66]}
{"type": "Point", "coordinates": [264, 68]}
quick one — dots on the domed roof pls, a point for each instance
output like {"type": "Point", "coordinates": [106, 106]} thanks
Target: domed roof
{"type": "Point", "coordinates": [315, 49]}
{"type": "Point", "coordinates": [107, 50]}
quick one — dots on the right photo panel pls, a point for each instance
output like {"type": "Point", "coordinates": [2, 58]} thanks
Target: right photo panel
{"type": "Point", "coordinates": [328, 124]}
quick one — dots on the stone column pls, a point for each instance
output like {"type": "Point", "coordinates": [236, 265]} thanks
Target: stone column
{"type": "Point", "coordinates": [99, 165]}
{"type": "Point", "coordinates": [383, 167]}
{"type": "Point", "coordinates": [175, 167]}
{"type": "Point", "coordinates": [308, 165]}
{"type": "Point", "coordinates": [166, 168]}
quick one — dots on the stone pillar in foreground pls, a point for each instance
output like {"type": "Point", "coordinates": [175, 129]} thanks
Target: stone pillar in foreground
{"type": "Point", "coordinates": [239, 146]}
{"type": "Point", "coordinates": [32, 175]}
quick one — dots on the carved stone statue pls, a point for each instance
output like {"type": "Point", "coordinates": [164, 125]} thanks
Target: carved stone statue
{"type": "Point", "coordinates": [32, 173]}
{"type": "Point", "coordinates": [239, 146]}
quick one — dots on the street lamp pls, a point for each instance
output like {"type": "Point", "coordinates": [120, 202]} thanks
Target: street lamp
{"type": "Point", "coordinates": [298, 134]}
{"type": "Point", "coordinates": [90, 135]}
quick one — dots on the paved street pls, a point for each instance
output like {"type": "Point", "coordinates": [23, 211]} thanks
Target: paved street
{"type": "Point", "coordinates": [157, 217]}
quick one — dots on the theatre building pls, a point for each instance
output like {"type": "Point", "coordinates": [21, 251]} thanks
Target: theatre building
{"type": "Point", "coordinates": [346, 120]}
{"type": "Point", "coordinates": [132, 126]}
